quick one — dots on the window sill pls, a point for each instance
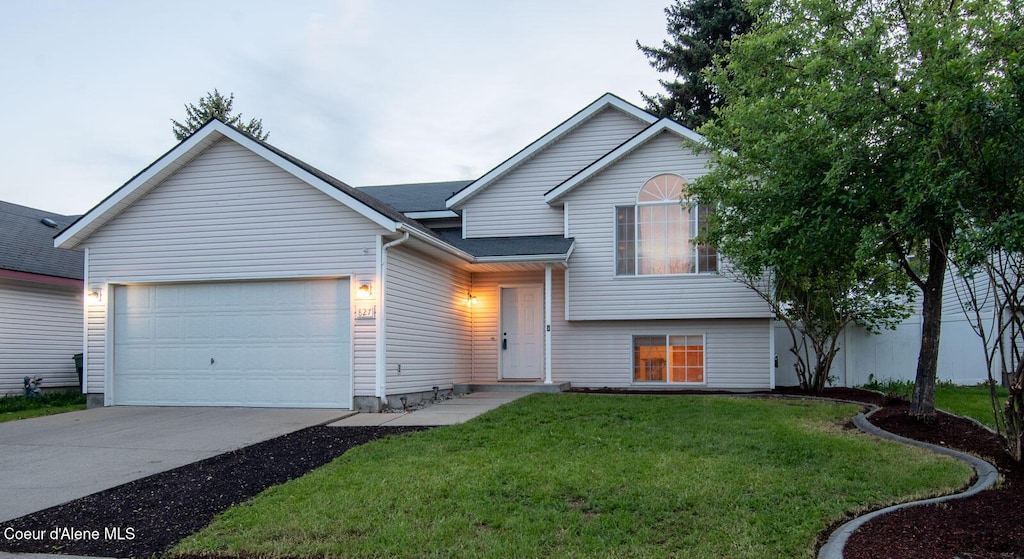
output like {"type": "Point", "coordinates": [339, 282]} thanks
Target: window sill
{"type": "Point", "coordinates": [649, 276]}
{"type": "Point", "coordinates": [655, 384]}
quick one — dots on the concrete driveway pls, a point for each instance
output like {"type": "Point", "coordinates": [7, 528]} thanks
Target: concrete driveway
{"type": "Point", "coordinates": [50, 460]}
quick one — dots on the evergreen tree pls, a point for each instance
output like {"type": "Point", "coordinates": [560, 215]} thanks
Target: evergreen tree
{"type": "Point", "coordinates": [215, 105]}
{"type": "Point", "coordinates": [699, 30]}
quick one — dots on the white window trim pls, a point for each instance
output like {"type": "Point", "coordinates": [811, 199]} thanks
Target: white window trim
{"type": "Point", "coordinates": [636, 234]}
{"type": "Point", "coordinates": [668, 376]}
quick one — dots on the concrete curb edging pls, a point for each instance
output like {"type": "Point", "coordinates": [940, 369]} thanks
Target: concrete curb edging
{"type": "Point", "coordinates": [986, 472]}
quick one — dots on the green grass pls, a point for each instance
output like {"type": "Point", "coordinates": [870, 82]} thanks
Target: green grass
{"type": "Point", "coordinates": [14, 407]}
{"type": "Point", "coordinates": [970, 401]}
{"type": "Point", "coordinates": [574, 475]}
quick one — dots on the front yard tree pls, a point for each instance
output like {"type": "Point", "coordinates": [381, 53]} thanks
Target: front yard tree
{"type": "Point", "coordinates": [215, 105]}
{"type": "Point", "coordinates": [990, 251]}
{"type": "Point", "coordinates": [863, 100]}
{"type": "Point", "coordinates": [795, 243]}
{"type": "Point", "coordinates": [699, 30]}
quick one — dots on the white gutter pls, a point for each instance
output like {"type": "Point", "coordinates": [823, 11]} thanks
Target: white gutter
{"type": "Point", "coordinates": [382, 267]}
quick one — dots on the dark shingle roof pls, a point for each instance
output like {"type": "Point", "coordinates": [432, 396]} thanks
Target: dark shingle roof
{"type": "Point", "coordinates": [26, 244]}
{"type": "Point", "coordinates": [537, 245]}
{"type": "Point", "coordinates": [418, 197]}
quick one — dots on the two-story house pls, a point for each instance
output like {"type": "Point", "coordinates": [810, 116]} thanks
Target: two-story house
{"type": "Point", "coordinates": [231, 273]}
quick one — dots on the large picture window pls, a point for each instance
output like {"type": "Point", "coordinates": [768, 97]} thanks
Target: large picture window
{"type": "Point", "coordinates": [656, 236]}
{"type": "Point", "coordinates": [668, 359]}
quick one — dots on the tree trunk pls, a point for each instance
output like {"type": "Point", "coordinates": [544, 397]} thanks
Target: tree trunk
{"type": "Point", "coordinates": [922, 403]}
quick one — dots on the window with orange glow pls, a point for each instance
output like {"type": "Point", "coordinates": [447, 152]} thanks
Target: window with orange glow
{"type": "Point", "coordinates": [672, 359]}
{"type": "Point", "coordinates": [657, 235]}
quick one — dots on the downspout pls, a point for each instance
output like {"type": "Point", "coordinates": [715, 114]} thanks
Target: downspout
{"type": "Point", "coordinates": [85, 324]}
{"type": "Point", "coordinates": [382, 267]}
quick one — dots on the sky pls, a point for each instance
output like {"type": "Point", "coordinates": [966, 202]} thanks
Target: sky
{"type": "Point", "coordinates": [372, 92]}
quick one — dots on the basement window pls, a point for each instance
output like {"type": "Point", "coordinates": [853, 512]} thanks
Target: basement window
{"type": "Point", "coordinates": [668, 359]}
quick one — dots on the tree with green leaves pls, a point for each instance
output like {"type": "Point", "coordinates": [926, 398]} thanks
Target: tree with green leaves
{"type": "Point", "coordinates": [793, 243]}
{"type": "Point", "coordinates": [215, 105]}
{"type": "Point", "coordinates": [864, 103]}
{"type": "Point", "coordinates": [989, 252]}
{"type": "Point", "coordinates": [699, 31]}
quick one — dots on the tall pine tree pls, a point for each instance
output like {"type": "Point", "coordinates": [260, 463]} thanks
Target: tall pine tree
{"type": "Point", "coordinates": [699, 30]}
{"type": "Point", "coordinates": [215, 105]}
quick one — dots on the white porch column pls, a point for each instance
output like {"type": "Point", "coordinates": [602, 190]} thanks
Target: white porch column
{"type": "Point", "coordinates": [547, 323]}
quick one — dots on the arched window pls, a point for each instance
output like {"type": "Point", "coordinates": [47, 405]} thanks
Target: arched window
{"type": "Point", "coordinates": [656, 235]}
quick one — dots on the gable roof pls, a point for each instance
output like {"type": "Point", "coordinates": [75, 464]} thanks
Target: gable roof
{"type": "Point", "coordinates": [417, 197]}
{"type": "Point", "coordinates": [213, 131]}
{"type": "Point", "coordinates": [663, 125]}
{"type": "Point", "coordinates": [26, 243]}
{"type": "Point", "coordinates": [605, 101]}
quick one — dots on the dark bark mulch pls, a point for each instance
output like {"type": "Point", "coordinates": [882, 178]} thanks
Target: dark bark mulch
{"type": "Point", "coordinates": [150, 515]}
{"type": "Point", "coordinates": [986, 526]}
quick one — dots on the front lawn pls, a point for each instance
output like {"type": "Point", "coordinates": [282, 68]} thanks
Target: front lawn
{"type": "Point", "coordinates": [573, 475]}
{"type": "Point", "coordinates": [13, 407]}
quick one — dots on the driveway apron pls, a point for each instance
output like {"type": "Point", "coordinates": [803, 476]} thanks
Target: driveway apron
{"type": "Point", "coordinates": [47, 461]}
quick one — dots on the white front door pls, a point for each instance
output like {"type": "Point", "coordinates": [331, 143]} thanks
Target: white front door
{"type": "Point", "coordinates": [521, 353]}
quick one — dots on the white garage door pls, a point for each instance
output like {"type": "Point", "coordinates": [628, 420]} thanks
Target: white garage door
{"type": "Point", "coordinates": [261, 343]}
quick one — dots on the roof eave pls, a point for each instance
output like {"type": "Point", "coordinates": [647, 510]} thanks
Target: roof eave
{"type": "Point", "coordinates": [178, 157]}
{"type": "Point", "coordinates": [540, 258]}
{"type": "Point", "coordinates": [555, 195]}
{"type": "Point", "coordinates": [606, 100]}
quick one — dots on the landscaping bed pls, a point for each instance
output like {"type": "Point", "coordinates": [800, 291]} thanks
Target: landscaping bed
{"type": "Point", "coordinates": [986, 526]}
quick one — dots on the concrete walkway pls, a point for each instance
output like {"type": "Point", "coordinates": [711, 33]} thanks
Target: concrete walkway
{"type": "Point", "coordinates": [446, 412]}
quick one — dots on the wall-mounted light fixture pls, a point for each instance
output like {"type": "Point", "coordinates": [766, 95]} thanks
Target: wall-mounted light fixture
{"type": "Point", "coordinates": [365, 291]}
{"type": "Point", "coordinates": [94, 296]}
{"type": "Point", "coordinates": [470, 298]}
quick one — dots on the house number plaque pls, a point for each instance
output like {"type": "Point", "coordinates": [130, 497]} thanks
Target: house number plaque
{"type": "Point", "coordinates": [365, 311]}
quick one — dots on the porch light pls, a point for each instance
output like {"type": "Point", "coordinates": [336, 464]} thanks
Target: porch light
{"type": "Point", "coordinates": [365, 291]}
{"type": "Point", "coordinates": [94, 297]}
{"type": "Point", "coordinates": [470, 299]}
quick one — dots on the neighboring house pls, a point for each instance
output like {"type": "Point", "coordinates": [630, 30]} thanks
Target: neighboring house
{"type": "Point", "coordinates": [40, 300]}
{"type": "Point", "coordinates": [231, 273]}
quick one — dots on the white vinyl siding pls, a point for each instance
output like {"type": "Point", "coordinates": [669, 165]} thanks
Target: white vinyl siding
{"type": "Point", "coordinates": [599, 353]}
{"type": "Point", "coordinates": [40, 332]}
{"type": "Point", "coordinates": [428, 323]}
{"type": "Point", "coordinates": [595, 293]}
{"type": "Point", "coordinates": [230, 214]}
{"type": "Point", "coordinates": [514, 204]}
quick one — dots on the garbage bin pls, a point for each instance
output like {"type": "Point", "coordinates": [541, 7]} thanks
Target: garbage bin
{"type": "Point", "coordinates": [78, 368]}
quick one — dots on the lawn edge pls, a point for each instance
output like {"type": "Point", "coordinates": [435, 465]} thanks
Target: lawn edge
{"type": "Point", "coordinates": [985, 472]}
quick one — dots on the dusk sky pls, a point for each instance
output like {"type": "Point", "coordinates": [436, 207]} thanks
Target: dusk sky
{"type": "Point", "coordinates": [371, 92]}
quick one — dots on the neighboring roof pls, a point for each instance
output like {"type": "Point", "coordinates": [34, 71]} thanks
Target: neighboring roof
{"type": "Point", "coordinates": [26, 243]}
{"type": "Point", "coordinates": [418, 197]}
{"type": "Point", "coordinates": [537, 247]}
{"type": "Point", "coordinates": [606, 100]}
{"type": "Point", "coordinates": [210, 133]}
{"type": "Point", "coordinates": [663, 125]}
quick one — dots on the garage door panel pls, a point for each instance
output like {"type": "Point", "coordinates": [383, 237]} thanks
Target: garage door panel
{"type": "Point", "coordinates": [281, 343]}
